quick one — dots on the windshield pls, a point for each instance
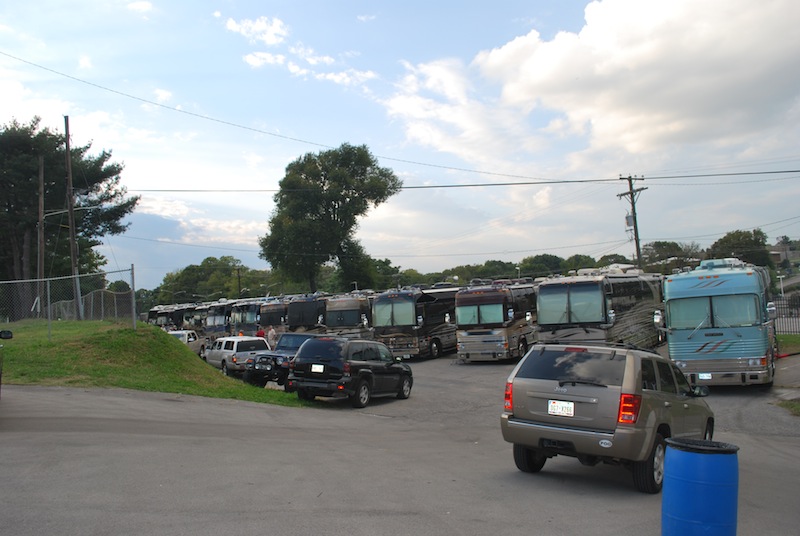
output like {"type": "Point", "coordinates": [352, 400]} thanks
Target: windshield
{"type": "Point", "coordinates": [479, 315]}
{"type": "Point", "coordinates": [570, 304]}
{"type": "Point", "coordinates": [289, 341]}
{"type": "Point", "coordinates": [350, 317]}
{"type": "Point", "coordinates": [728, 312]}
{"type": "Point", "coordinates": [397, 311]}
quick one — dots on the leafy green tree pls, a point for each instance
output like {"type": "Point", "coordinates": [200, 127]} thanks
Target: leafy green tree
{"type": "Point", "coordinates": [317, 208]}
{"type": "Point", "coordinates": [748, 246]}
{"type": "Point", "coordinates": [100, 201]}
{"type": "Point", "coordinates": [615, 258]}
{"type": "Point", "coordinates": [542, 265]}
{"type": "Point", "coordinates": [576, 262]}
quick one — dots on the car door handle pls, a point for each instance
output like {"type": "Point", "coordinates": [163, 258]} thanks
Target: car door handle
{"type": "Point", "coordinates": [667, 404]}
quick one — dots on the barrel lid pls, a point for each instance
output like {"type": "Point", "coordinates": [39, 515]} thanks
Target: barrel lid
{"type": "Point", "coordinates": [702, 446]}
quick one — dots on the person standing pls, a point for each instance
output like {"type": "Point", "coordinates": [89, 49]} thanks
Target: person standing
{"type": "Point", "coordinates": [272, 337]}
{"type": "Point", "coordinates": [260, 332]}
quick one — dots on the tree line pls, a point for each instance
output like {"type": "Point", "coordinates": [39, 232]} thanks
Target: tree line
{"type": "Point", "coordinates": [310, 240]}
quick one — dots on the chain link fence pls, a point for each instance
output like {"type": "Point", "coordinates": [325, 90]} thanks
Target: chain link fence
{"type": "Point", "coordinates": [82, 297]}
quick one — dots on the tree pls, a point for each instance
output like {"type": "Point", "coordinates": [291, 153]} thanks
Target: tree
{"type": "Point", "coordinates": [542, 265]}
{"type": "Point", "coordinates": [576, 262]}
{"type": "Point", "coordinates": [317, 208]}
{"type": "Point", "coordinates": [100, 201]}
{"type": "Point", "coordinates": [744, 245]}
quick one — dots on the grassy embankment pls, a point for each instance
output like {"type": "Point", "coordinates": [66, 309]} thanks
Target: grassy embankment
{"type": "Point", "coordinates": [790, 344]}
{"type": "Point", "coordinates": [104, 354]}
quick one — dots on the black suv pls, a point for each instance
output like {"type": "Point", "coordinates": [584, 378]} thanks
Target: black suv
{"type": "Point", "coordinates": [357, 369]}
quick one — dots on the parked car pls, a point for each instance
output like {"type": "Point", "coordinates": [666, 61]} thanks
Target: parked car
{"type": "Point", "coordinates": [4, 335]}
{"type": "Point", "coordinates": [601, 404]}
{"type": "Point", "coordinates": [191, 339]}
{"type": "Point", "coordinates": [229, 354]}
{"type": "Point", "coordinates": [273, 366]}
{"type": "Point", "coordinates": [353, 368]}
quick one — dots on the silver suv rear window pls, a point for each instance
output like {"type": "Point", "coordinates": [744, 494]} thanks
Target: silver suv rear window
{"type": "Point", "coordinates": [576, 363]}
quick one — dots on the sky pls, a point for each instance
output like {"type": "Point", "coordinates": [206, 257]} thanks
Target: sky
{"type": "Point", "coordinates": [513, 125]}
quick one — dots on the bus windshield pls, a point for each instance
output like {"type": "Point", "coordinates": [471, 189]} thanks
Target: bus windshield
{"type": "Point", "coordinates": [395, 312]}
{"type": "Point", "coordinates": [569, 304]}
{"type": "Point", "coordinates": [478, 315]}
{"type": "Point", "coordinates": [728, 312]}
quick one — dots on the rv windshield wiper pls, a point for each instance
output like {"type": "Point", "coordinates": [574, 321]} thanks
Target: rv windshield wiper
{"type": "Point", "coordinates": [700, 325]}
{"type": "Point", "coordinates": [565, 381]}
{"type": "Point", "coordinates": [727, 325]}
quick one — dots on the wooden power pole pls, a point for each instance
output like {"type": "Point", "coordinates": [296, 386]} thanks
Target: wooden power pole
{"type": "Point", "coordinates": [633, 194]}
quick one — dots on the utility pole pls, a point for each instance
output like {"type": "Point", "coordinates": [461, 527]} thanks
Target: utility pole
{"type": "Point", "coordinates": [40, 237]}
{"type": "Point", "coordinates": [73, 242]}
{"type": "Point", "coordinates": [633, 194]}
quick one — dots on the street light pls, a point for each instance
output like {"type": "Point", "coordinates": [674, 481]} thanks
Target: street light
{"type": "Point", "coordinates": [781, 278]}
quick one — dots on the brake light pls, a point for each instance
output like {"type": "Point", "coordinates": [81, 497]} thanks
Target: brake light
{"type": "Point", "coordinates": [575, 349]}
{"type": "Point", "coordinates": [629, 406]}
{"type": "Point", "coordinates": [508, 399]}
{"type": "Point", "coordinates": [346, 369]}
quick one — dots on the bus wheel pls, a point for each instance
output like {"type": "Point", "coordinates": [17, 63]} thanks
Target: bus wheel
{"type": "Point", "coordinates": [435, 349]}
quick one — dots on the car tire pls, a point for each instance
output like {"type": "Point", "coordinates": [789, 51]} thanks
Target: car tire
{"type": "Point", "coordinates": [528, 460]}
{"type": "Point", "coordinates": [405, 388]}
{"type": "Point", "coordinates": [302, 394]}
{"type": "Point", "coordinates": [224, 369]}
{"type": "Point", "coordinates": [648, 475]}
{"type": "Point", "coordinates": [708, 435]}
{"type": "Point", "coordinates": [362, 394]}
{"type": "Point", "coordinates": [435, 349]}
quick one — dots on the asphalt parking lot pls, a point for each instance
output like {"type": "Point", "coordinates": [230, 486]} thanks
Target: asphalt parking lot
{"type": "Point", "coordinates": [97, 461]}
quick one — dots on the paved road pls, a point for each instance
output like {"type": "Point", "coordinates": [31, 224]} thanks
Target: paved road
{"type": "Point", "coordinates": [96, 461]}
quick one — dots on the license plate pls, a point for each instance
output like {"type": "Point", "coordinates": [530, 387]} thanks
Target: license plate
{"type": "Point", "coordinates": [704, 376]}
{"type": "Point", "coordinates": [561, 407]}
{"type": "Point", "coordinates": [317, 368]}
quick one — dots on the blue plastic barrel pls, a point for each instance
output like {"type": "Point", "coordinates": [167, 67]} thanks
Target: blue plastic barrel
{"type": "Point", "coordinates": [701, 488]}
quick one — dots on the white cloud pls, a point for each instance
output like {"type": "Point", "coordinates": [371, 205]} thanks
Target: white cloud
{"type": "Point", "coordinates": [310, 56]}
{"type": "Point", "coordinates": [140, 7]}
{"type": "Point", "coordinates": [162, 95]}
{"type": "Point", "coordinates": [259, 59]}
{"type": "Point", "coordinates": [269, 31]}
{"type": "Point", "coordinates": [84, 62]}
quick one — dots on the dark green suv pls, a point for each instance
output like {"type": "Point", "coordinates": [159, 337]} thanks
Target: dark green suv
{"type": "Point", "coordinates": [356, 369]}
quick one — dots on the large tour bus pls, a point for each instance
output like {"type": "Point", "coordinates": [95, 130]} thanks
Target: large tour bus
{"type": "Point", "coordinates": [612, 307]}
{"type": "Point", "coordinates": [349, 315]}
{"type": "Point", "coordinates": [218, 319]}
{"type": "Point", "coordinates": [274, 313]}
{"type": "Point", "coordinates": [495, 322]}
{"type": "Point", "coordinates": [306, 313]}
{"type": "Point", "coordinates": [416, 323]}
{"type": "Point", "coordinates": [720, 323]}
{"type": "Point", "coordinates": [246, 315]}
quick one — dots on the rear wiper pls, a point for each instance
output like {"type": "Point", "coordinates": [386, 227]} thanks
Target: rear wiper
{"type": "Point", "coordinates": [565, 381]}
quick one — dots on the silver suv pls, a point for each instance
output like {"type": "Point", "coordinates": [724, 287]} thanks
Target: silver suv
{"type": "Point", "coordinates": [601, 404]}
{"type": "Point", "coordinates": [230, 354]}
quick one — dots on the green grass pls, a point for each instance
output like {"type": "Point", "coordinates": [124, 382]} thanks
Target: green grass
{"type": "Point", "coordinates": [790, 344]}
{"type": "Point", "coordinates": [105, 354]}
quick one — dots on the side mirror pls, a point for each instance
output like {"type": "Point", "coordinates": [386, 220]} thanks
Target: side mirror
{"type": "Point", "coordinates": [612, 316]}
{"type": "Point", "coordinates": [700, 390]}
{"type": "Point", "coordinates": [419, 320]}
{"type": "Point", "coordinates": [658, 318]}
{"type": "Point", "coordinates": [772, 311]}
{"type": "Point", "coordinates": [510, 314]}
